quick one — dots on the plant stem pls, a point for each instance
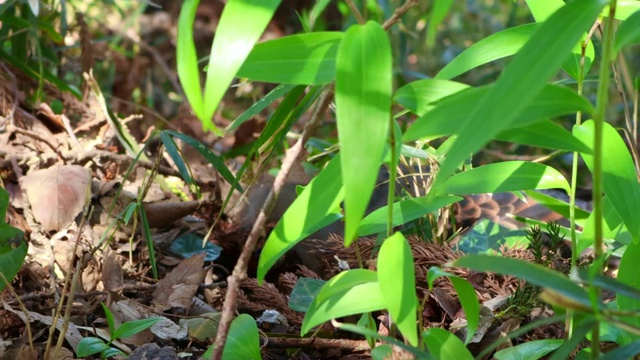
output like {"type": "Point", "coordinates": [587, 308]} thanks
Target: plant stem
{"type": "Point", "coordinates": [598, 185]}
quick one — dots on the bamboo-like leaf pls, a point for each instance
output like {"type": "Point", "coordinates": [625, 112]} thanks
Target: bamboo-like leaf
{"type": "Point", "coordinates": [619, 176]}
{"type": "Point", "coordinates": [305, 59]}
{"type": "Point", "coordinates": [420, 96]}
{"type": "Point", "coordinates": [397, 279]}
{"type": "Point", "coordinates": [445, 117]}
{"type": "Point", "coordinates": [521, 81]}
{"type": "Point", "coordinates": [314, 208]}
{"type": "Point", "coordinates": [504, 176]}
{"type": "Point", "coordinates": [363, 104]}
{"type": "Point", "coordinates": [444, 345]}
{"type": "Point", "coordinates": [493, 47]}
{"type": "Point", "coordinates": [628, 33]}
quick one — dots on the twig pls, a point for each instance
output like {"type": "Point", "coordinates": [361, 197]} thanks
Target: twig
{"type": "Point", "coordinates": [12, 128]}
{"type": "Point", "coordinates": [318, 343]}
{"type": "Point", "coordinates": [356, 13]}
{"type": "Point", "coordinates": [240, 270]}
{"type": "Point", "coordinates": [398, 13]}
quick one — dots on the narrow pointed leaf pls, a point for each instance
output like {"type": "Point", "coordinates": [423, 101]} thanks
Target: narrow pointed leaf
{"type": "Point", "coordinates": [308, 213]}
{"type": "Point", "coordinates": [522, 80]}
{"type": "Point", "coordinates": [620, 180]}
{"type": "Point", "coordinates": [628, 33]}
{"type": "Point", "coordinates": [363, 104]}
{"type": "Point", "coordinates": [504, 176]}
{"type": "Point", "coordinates": [306, 59]}
{"type": "Point", "coordinates": [419, 96]}
{"type": "Point", "coordinates": [444, 345]}
{"type": "Point", "coordinates": [397, 279]}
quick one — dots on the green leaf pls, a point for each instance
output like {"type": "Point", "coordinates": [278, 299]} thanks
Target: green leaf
{"type": "Point", "coordinates": [363, 110]}
{"type": "Point", "coordinates": [131, 328]}
{"type": "Point", "coordinates": [260, 105]}
{"type": "Point", "coordinates": [628, 33]}
{"type": "Point", "coordinates": [466, 294]}
{"type": "Point", "coordinates": [439, 11]}
{"type": "Point", "coordinates": [241, 24]}
{"type": "Point", "coordinates": [544, 134]}
{"type": "Point", "coordinates": [419, 354]}
{"type": "Point", "coordinates": [350, 292]}
{"type": "Point", "coordinates": [420, 96]}
{"type": "Point", "coordinates": [187, 58]}
{"type": "Point", "coordinates": [243, 341]}
{"type": "Point", "coordinates": [404, 211]}
{"type": "Point", "coordinates": [628, 351]}
{"type": "Point", "coordinates": [91, 345]}
{"type": "Point", "coordinates": [531, 350]}
{"type": "Point", "coordinates": [619, 175]}
{"type": "Point", "coordinates": [521, 81]}
{"type": "Point", "coordinates": [305, 59]}
{"type": "Point", "coordinates": [628, 274]}
{"type": "Point", "coordinates": [532, 273]}
{"type": "Point", "coordinates": [493, 47]}
{"type": "Point", "coordinates": [212, 158]}
{"type": "Point", "coordinates": [176, 156]}
{"type": "Point", "coordinates": [446, 118]}
{"type": "Point", "coordinates": [304, 292]}
{"type": "Point", "coordinates": [13, 251]}
{"type": "Point", "coordinates": [443, 345]}
{"type": "Point", "coordinates": [312, 210]}
{"type": "Point", "coordinates": [110, 321]}
{"type": "Point", "coordinates": [397, 279]}
{"type": "Point", "coordinates": [504, 176]}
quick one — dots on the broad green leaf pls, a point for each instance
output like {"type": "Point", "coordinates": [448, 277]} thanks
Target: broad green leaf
{"type": "Point", "coordinates": [397, 279]}
{"type": "Point", "coordinates": [612, 228]}
{"type": "Point", "coordinates": [531, 350]}
{"type": "Point", "coordinates": [446, 118]}
{"type": "Point", "coordinates": [304, 292]}
{"type": "Point", "coordinates": [493, 47]}
{"type": "Point", "coordinates": [309, 212]}
{"type": "Point", "coordinates": [356, 299]}
{"type": "Point", "coordinates": [619, 175]}
{"type": "Point", "coordinates": [306, 59]}
{"type": "Point", "coordinates": [443, 345]}
{"type": "Point", "coordinates": [420, 95]}
{"type": "Point", "coordinates": [629, 351]}
{"type": "Point", "coordinates": [131, 328]}
{"type": "Point", "coordinates": [363, 110]}
{"type": "Point", "coordinates": [91, 345]}
{"type": "Point", "coordinates": [628, 274]}
{"type": "Point", "coordinates": [504, 176]}
{"type": "Point", "coordinates": [522, 81]}
{"type": "Point", "coordinates": [243, 341]}
{"type": "Point", "coordinates": [544, 134]}
{"type": "Point", "coordinates": [628, 33]}
{"type": "Point", "coordinates": [466, 294]}
{"type": "Point", "coordinates": [532, 273]}
{"type": "Point", "coordinates": [556, 205]}
{"type": "Point", "coordinates": [404, 211]}
{"type": "Point", "coordinates": [13, 251]}
{"type": "Point", "coordinates": [4, 204]}
{"type": "Point", "coordinates": [260, 105]}
{"type": "Point", "coordinates": [343, 281]}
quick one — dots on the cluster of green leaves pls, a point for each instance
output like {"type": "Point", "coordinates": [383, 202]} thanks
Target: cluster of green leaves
{"type": "Point", "coordinates": [13, 247]}
{"type": "Point", "coordinates": [517, 107]}
{"type": "Point", "coordinates": [92, 345]}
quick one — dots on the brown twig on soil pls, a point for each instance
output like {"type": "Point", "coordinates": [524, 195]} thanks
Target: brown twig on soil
{"type": "Point", "coordinates": [240, 270]}
{"type": "Point", "coordinates": [318, 343]}
{"type": "Point", "coordinates": [12, 128]}
{"type": "Point", "coordinates": [83, 157]}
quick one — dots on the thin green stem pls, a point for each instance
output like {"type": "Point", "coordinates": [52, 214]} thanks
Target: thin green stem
{"type": "Point", "coordinates": [598, 184]}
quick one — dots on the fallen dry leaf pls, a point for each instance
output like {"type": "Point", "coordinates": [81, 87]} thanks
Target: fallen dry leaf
{"type": "Point", "coordinates": [57, 194]}
{"type": "Point", "coordinates": [177, 289]}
